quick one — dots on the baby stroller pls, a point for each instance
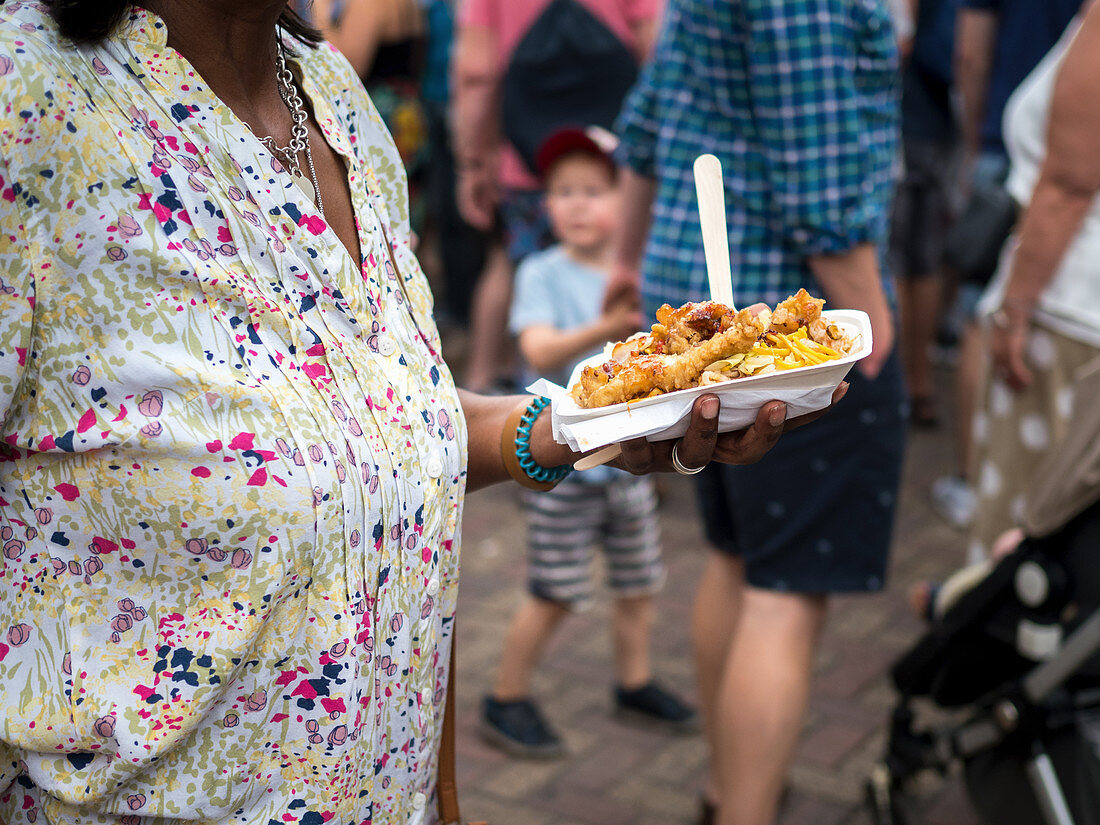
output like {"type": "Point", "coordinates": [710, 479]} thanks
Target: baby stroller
{"type": "Point", "coordinates": [1014, 665]}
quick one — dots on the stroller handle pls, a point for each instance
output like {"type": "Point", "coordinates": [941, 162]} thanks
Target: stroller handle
{"type": "Point", "coordinates": [1079, 648]}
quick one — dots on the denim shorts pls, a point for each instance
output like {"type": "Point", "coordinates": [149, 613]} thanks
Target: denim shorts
{"type": "Point", "coordinates": [816, 514]}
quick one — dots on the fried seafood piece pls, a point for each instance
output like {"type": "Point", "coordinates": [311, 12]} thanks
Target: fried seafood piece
{"type": "Point", "coordinates": [613, 382]}
{"type": "Point", "coordinates": [800, 310]}
{"type": "Point", "coordinates": [830, 335]}
{"type": "Point", "coordinates": [680, 329]}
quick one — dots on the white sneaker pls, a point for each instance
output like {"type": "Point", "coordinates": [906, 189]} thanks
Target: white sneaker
{"type": "Point", "coordinates": [954, 501]}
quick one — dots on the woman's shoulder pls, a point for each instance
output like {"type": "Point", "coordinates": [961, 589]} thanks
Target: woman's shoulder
{"type": "Point", "coordinates": [328, 68]}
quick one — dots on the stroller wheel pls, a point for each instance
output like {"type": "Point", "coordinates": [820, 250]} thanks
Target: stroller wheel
{"type": "Point", "coordinates": [882, 798]}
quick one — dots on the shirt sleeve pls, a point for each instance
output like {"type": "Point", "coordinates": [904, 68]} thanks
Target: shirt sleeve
{"type": "Point", "coordinates": [819, 151]}
{"type": "Point", "coordinates": [16, 296]}
{"type": "Point", "coordinates": [533, 299]}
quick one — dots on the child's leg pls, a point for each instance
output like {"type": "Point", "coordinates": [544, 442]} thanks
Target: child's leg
{"type": "Point", "coordinates": [531, 628]}
{"type": "Point", "coordinates": [632, 622]}
{"type": "Point", "coordinates": [635, 573]}
{"type": "Point", "coordinates": [561, 529]}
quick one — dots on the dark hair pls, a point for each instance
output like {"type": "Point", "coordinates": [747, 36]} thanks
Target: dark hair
{"type": "Point", "coordinates": [90, 21]}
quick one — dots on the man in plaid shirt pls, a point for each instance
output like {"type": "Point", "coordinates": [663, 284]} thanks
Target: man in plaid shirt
{"type": "Point", "coordinates": [799, 100]}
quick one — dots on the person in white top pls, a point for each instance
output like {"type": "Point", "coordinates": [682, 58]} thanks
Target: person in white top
{"type": "Point", "coordinates": [1042, 310]}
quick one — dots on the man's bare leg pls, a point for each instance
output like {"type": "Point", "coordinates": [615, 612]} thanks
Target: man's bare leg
{"type": "Point", "coordinates": [717, 601]}
{"type": "Point", "coordinates": [762, 701]}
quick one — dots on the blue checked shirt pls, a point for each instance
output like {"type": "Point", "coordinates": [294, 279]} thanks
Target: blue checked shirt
{"type": "Point", "coordinates": [799, 100]}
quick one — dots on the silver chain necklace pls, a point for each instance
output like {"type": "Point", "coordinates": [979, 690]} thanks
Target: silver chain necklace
{"type": "Point", "coordinates": [299, 136]}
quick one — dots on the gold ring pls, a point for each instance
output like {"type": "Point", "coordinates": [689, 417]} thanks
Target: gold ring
{"type": "Point", "coordinates": [678, 465]}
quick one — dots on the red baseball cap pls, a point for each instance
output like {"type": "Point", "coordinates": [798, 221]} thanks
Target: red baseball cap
{"type": "Point", "coordinates": [598, 143]}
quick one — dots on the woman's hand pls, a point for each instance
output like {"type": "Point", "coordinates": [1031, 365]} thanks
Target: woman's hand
{"type": "Point", "coordinates": [702, 443]}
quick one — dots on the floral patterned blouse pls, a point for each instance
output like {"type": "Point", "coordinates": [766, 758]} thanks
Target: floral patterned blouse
{"type": "Point", "coordinates": [232, 462]}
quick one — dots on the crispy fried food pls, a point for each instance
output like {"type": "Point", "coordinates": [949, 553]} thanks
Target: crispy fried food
{"type": "Point", "coordinates": [680, 329]}
{"type": "Point", "coordinates": [800, 310]}
{"type": "Point", "coordinates": [651, 366]}
{"type": "Point", "coordinates": [705, 343]}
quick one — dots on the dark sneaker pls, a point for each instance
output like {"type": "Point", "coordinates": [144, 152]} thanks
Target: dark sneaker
{"type": "Point", "coordinates": [519, 729]}
{"type": "Point", "coordinates": [653, 704]}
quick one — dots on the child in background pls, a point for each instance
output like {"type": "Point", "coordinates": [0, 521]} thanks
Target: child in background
{"type": "Point", "coordinates": [556, 316]}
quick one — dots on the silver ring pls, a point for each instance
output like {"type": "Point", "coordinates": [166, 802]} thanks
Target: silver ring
{"type": "Point", "coordinates": [678, 465]}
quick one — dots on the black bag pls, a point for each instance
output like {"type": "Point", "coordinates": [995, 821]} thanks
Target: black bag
{"type": "Point", "coordinates": [973, 244]}
{"type": "Point", "coordinates": [569, 69]}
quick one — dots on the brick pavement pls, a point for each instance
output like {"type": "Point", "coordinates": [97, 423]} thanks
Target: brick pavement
{"type": "Point", "coordinates": [620, 775]}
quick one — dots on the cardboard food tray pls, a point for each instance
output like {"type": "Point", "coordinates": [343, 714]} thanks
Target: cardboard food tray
{"type": "Point", "coordinates": [666, 416]}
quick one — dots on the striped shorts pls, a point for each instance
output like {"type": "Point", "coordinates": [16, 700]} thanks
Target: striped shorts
{"type": "Point", "coordinates": [565, 524]}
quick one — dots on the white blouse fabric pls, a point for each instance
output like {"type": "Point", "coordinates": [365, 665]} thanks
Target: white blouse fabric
{"type": "Point", "coordinates": [232, 462]}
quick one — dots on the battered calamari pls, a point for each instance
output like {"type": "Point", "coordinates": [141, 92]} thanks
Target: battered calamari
{"type": "Point", "coordinates": [672, 356]}
{"type": "Point", "coordinates": [686, 341]}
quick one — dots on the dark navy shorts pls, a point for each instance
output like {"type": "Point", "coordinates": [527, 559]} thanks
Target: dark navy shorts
{"type": "Point", "coordinates": [816, 514]}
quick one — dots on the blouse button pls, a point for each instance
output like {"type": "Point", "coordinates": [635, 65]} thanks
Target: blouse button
{"type": "Point", "coordinates": [386, 346]}
{"type": "Point", "coordinates": [419, 800]}
{"type": "Point", "coordinates": [433, 586]}
{"type": "Point", "coordinates": [435, 467]}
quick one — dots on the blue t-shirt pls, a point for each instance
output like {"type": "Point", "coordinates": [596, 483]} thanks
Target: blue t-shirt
{"type": "Point", "coordinates": [1026, 31]}
{"type": "Point", "coordinates": [551, 288]}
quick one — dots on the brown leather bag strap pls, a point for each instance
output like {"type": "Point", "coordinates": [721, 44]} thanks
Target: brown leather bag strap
{"type": "Point", "coordinates": [446, 791]}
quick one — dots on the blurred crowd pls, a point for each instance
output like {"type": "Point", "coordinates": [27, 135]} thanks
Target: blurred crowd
{"type": "Point", "coordinates": [932, 162]}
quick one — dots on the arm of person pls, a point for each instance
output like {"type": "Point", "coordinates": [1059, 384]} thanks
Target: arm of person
{"type": "Point", "coordinates": [905, 43]}
{"type": "Point", "coordinates": [356, 34]}
{"type": "Point", "coordinates": [548, 348]}
{"type": "Point", "coordinates": [475, 120]}
{"type": "Point", "coordinates": [644, 17]}
{"type": "Point", "coordinates": [1068, 185]}
{"type": "Point", "coordinates": [487, 416]}
{"type": "Point", "coordinates": [904, 14]}
{"type": "Point", "coordinates": [975, 39]}
{"type": "Point", "coordinates": [637, 128]}
{"type": "Point", "coordinates": [638, 194]}
{"type": "Point", "coordinates": [364, 25]}
{"type": "Point", "coordinates": [852, 279]}
{"type": "Point", "coordinates": [807, 108]}
{"type": "Point", "coordinates": [645, 33]}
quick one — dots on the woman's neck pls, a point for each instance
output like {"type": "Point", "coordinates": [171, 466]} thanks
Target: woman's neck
{"type": "Point", "coordinates": [232, 44]}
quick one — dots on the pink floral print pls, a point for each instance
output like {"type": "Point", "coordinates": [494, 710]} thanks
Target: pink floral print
{"type": "Point", "coordinates": [218, 531]}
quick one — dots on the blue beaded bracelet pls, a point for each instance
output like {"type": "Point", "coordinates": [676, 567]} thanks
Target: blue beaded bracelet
{"type": "Point", "coordinates": [534, 470]}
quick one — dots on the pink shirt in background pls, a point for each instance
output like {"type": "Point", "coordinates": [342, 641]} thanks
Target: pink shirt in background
{"type": "Point", "coordinates": [510, 20]}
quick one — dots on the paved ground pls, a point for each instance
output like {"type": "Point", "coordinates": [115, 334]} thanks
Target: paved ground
{"type": "Point", "coordinates": [618, 775]}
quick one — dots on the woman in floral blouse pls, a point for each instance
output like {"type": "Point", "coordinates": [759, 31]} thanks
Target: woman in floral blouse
{"type": "Point", "coordinates": [232, 461]}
